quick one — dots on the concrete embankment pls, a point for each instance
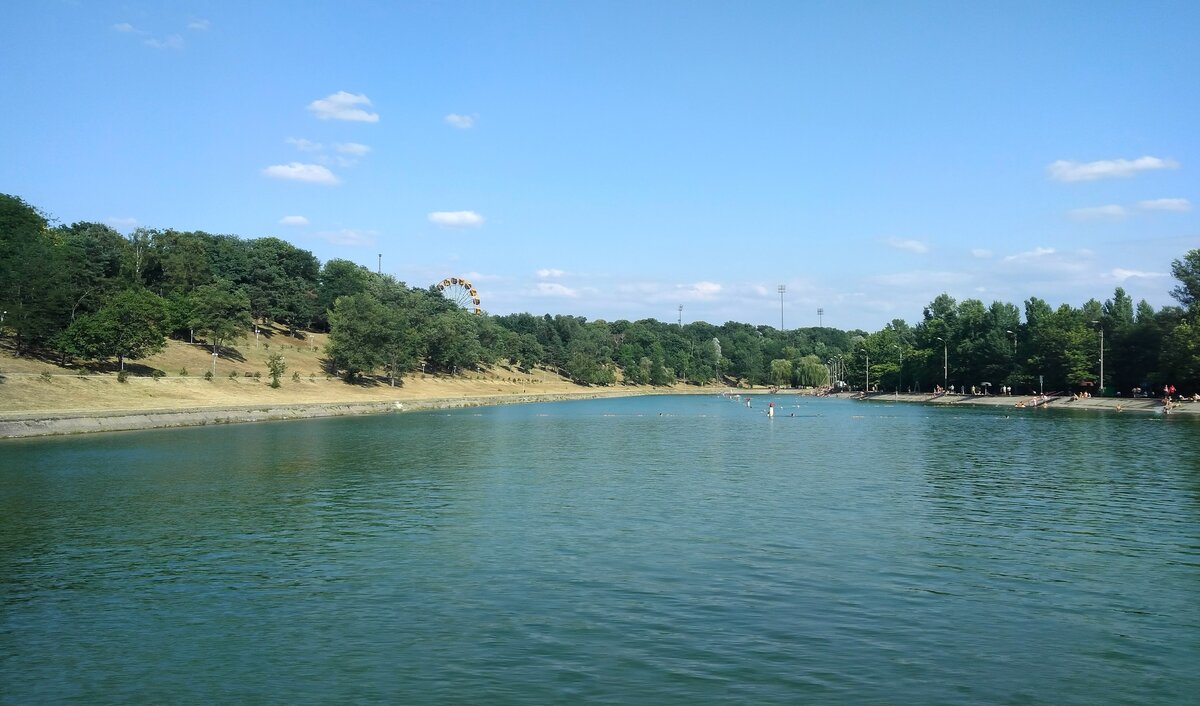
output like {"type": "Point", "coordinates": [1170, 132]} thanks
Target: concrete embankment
{"type": "Point", "coordinates": [52, 424]}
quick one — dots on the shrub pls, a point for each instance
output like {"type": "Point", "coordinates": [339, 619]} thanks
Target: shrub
{"type": "Point", "coordinates": [208, 375]}
{"type": "Point", "coordinates": [183, 371]}
{"type": "Point", "coordinates": [156, 374]}
{"type": "Point", "coordinates": [45, 376]}
{"type": "Point", "coordinates": [233, 375]}
{"type": "Point", "coordinates": [296, 376]}
{"type": "Point", "coordinates": [122, 376]}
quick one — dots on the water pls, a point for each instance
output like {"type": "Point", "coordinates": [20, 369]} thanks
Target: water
{"type": "Point", "coordinates": [663, 550]}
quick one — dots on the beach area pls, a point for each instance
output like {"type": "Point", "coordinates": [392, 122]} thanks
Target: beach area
{"type": "Point", "coordinates": [1035, 402]}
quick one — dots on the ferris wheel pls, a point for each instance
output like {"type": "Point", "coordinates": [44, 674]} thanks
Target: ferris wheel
{"type": "Point", "coordinates": [461, 292]}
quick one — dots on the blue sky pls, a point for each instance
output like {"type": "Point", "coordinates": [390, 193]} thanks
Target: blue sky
{"type": "Point", "coordinates": [620, 159]}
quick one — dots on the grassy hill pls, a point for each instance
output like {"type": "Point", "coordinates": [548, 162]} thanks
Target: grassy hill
{"type": "Point", "coordinates": [175, 379]}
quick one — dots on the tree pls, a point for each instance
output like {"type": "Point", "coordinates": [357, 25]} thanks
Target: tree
{"type": "Point", "coordinates": [781, 372]}
{"type": "Point", "coordinates": [1187, 271]}
{"type": "Point", "coordinates": [219, 312]}
{"type": "Point", "coordinates": [451, 342]}
{"type": "Point", "coordinates": [276, 367]}
{"type": "Point", "coordinates": [130, 325]}
{"type": "Point", "coordinates": [359, 331]}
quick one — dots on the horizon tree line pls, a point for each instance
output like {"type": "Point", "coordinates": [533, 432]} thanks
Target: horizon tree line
{"type": "Point", "coordinates": [84, 292]}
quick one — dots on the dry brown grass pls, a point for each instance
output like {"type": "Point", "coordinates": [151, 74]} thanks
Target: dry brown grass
{"type": "Point", "coordinates": [25, 388]}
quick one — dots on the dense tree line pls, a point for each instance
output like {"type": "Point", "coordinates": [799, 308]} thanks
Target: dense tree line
{"type": "Point", "coordinates": [85, 292]}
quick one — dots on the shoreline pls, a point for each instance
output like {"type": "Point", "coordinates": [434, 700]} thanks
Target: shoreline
{"type": "Point", "coordinates": [1149, 405]}
{"type": "Point", "coordinates": [72, 422]}
{"type": "Point", "coordinates": [68, 422]}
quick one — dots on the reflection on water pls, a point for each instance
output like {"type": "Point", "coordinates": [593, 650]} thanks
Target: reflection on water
{"type": "Point", "coordinates": [653, 550]}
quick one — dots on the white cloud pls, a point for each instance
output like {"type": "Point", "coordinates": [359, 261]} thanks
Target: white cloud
{"type": "Point", "coordinates": [462, 122]}
{"type": "Point", "coordinates": [296, 171]}
{"type": "Point", "coordinates": [199, 25]}
{"type": "Point", "coordinates": [348, 236]}
{"type": "Point", "coordinates": [1034, 254]}
{"type": "Point", "coordinates": [343, 106]}
{"type": "Point", "coordinates": [700, 290]}
{"type": "Point", "coordinates": [908, 244]}
{"type": "Point", "coordinates": [1165, 205]}
{"type": "Point", "coordinates": [982, 253]}
{"type": "Point", "coordinates": [550, 272]}
{"type": "Point", "coordinates": [351, 148]}
{"type": "Point", "coordinates": [173, 41]}
{"type": "Point", "coordinates": [553, 289]}
{"type": "Point", "coordinates": [1121, 274]}
{"type": "Point", "coordinates": [304, 145]}
{"type": "Point", "coordinates": [456, 218]}
{"type": "Point", "coordinates": [1067, 170]}
{"type": "Point", "coordinates": [1099, 212]}
{"type": "Point", "coordinates": [294, 221]}
{"type": "Point", "coordinates": [124, 27]}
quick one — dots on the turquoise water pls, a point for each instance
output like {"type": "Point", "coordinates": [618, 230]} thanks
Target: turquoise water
{"type": "Point", "coordinates": [661, 550]}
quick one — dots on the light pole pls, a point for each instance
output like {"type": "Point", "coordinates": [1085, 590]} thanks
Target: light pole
{"type": "Point", "coordinates": [1014, 335]}
{"type": "Point", "coordinates": [945, 364]}
{"type": "Point", "coordinates": [820, 318]}
{"type": "Point", "coordinates": [782, 289]}
{"type": "Point", "coordinates": [1101, 327]}
{"type": "Point", "coordinates": [867, 384]}
{"type": "Point", "coordinates": [681, 316]}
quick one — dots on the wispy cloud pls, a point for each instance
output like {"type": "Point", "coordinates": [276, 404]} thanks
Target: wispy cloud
{"type": "Point", "coordinates": [457, 219]}
{"type": "Point", "coordinates": [908, 244]}
{"type": "Point", "coordinates": [125, 27]}
{"type": "Point", "coordinates": [1120, 274]}
{"type": "Point", "coordinates": [296, 171]}
{"type": "Point", "coordinates": [462, 122]}
{"type": "Point", "coordinates": [981, 253]}
{"type": "Point", "coordinates": [550, 272]}
{"type": "Point", "coordinates": [1067, 170]}
{"type": "Point", "coordinates": [352, 148]}
{"type": "Point", "coordinates": [1034, 254]}
{"type": "Point", "coordinates": [1165, 205]}
{"type": "Point", "coordinates": [198, 25]}
{"type": "Point", "coordinates": [348, 236]}
{"type": "Point", "coordinates": [173, 41]}
{"type": "Point", "coordinates": [304, 145]}
{"type": "Point", "coordinates": [343, 106]}
{"type": "Point", "coordinates": [293, 221]}
{"type": "Point", "coordinates": [553, 289]}
{"type": "Point", "coordinates": [1109, 212]}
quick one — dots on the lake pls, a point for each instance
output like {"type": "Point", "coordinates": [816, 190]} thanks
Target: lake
{"type": "Point", "coordinates": [651, 550]}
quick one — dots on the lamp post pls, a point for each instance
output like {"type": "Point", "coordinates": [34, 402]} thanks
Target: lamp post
{"type": "Point", "coordinates": [945, 364]}
{"type": "Point", "coordinates": [867, 371]}
{"type": "Point", "coordinates": [1101, 327]}
{"type": "Point", "coordinates": [1014, 335]}
{"type": "Point", "coordinates": [782, 289]}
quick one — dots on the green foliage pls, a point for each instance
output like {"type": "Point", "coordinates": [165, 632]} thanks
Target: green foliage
{"type": "Point", "coordinates": [84, 290]}
{"type": "Point", "coordinates": [219, 312]}
{"type": "Point", "coordinates": [781, 372]}
{"type": "Point", "coordinates": [276, 367]}
{"type": "Point", "coordinates": [122, 376]}
{"type": "Point", "coordinates": [129, 325]}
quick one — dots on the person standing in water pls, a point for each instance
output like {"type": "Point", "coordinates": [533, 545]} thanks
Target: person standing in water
{"type": "Point", "coordinates": [771, 409]}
